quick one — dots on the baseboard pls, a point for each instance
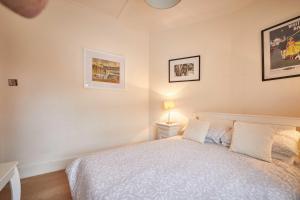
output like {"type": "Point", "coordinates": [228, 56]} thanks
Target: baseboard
{"type": "Point", "coordinates": [35, 169]}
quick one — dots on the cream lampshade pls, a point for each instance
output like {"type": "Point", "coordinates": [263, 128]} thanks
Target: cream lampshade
{"type": "Point", "coordinates": [169, 105]}
{"type": "Point", "coordinates": [162, 4]}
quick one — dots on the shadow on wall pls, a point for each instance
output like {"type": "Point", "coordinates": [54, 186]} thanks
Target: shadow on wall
{"type": "Point", "coordinates": [64, 124]}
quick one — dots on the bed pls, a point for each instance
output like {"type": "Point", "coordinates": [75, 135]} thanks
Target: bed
{"type": "Point", "coordinates": [176, 168]}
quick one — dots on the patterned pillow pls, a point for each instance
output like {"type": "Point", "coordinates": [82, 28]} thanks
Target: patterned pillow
{"type": "Point", "coordinates": [217, 129]}
{"type": "Point", "coordinates": [226, 138]}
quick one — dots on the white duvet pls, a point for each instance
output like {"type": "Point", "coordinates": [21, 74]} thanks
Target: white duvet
{"type": "Point", "coordinates": [180, 169]}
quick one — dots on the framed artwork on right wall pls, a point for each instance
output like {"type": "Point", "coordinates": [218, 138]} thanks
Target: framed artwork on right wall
{"type": "Point", "coordinates": [281, 50]}
{"type": "Point", "coordinates": [184, 69]}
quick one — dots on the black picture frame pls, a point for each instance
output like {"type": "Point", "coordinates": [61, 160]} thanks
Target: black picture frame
{"type": "Point", "coordinates": [184, 58]}
{"type": "Point", "coordinates": [263, 46]}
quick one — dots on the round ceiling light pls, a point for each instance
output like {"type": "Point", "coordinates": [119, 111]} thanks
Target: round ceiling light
{"type": "Point", "coordinates": [162, 4]}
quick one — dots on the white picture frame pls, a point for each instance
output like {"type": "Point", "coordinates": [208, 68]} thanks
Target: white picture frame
{"type": "Point", "coordinates": [103, 70]}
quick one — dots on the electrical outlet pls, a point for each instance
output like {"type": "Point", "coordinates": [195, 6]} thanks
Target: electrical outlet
{"type": "Point", "coordinates": [13, 82]}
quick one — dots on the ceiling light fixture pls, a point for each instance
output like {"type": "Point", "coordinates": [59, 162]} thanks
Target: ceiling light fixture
{"type": "Point", "coordinates": [162, 4]}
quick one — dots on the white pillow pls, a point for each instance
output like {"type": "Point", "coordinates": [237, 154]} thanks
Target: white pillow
{"type": "Point", "coordinates": [297, 162]}
{"type": "Point", "coordinates": [286, 142]}
{"type": "Point", "coordinates": [196, 130]}
{"type": "Point", "coordinates": [254, 140]}
{"type": "Point", "coordinates": [286, 159]}
{"type": "Point", "coordinates": [292, 134]}
{"type": "Point", "coordinates": [279, 128]}
{"type": "Point", "coordinates": [285, 132]}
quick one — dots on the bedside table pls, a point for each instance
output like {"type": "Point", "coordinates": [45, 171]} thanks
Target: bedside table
{"type": "Point", "coordinates": [165, 130]}
{"type": "Point", "coordinates": [9, 173]}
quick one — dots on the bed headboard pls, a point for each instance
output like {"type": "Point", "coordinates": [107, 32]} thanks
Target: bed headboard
{"type": "Point", "coordinates": [267, 119]}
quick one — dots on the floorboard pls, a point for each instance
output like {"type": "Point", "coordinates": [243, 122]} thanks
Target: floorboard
{"type": "Point", "coordinates": [52, 186]}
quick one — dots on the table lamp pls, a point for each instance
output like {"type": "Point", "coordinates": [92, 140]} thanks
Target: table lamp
{"type": "Point", "coordinates": [169, 105]}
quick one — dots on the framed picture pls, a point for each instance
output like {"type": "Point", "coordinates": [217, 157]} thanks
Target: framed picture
{"type": "Point", "coordinates": [184, 69]}
{"type": "Point", "coordinates": [281, 50]}
{"type": "Point", "coordinates": [102, 70]}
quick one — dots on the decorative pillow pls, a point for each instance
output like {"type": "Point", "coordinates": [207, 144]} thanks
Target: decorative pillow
{"type": "Point", "coordinates": [215, 134]}
{"type": "Point", "coordinates": [254, 140]}
{"type": "Point", "coordinates": [287, 143]}
{"type": "Point", "coordinates": [196, 130]}
{"type": "Point", "coordinates": [209, 141]}
{"type": "Point", "coordinates": [226, 138]}
{"type": "Point", "coordinates": [217, 129]}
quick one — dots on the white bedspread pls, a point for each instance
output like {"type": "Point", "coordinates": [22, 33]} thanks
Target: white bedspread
{"type": "Point", "coordinates": [180, 169]}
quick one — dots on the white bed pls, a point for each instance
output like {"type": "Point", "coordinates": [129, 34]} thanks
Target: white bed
{"type": "Point", "coordinates": [177, 168]}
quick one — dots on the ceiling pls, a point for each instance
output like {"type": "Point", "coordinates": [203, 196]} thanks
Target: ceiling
{"type": "Point", "coordinates": [137, 14]}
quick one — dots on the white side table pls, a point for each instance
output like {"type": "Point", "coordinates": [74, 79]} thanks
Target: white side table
{"type": "Point", "coordinates": [165, 130]}
{"type": "Point", "coordinates": [9, 173]}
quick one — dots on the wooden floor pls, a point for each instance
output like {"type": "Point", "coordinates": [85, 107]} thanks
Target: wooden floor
{"type": "Point", "coordinates": [52, 186]}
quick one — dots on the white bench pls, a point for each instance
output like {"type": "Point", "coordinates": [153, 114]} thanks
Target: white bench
{"type": "Point", "coordinates": [9, 173]}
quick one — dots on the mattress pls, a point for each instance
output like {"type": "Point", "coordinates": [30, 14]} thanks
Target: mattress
{"type": "Point", "coordinates": [177, 168]}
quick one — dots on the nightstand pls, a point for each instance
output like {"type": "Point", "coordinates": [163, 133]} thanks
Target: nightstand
{"type": "Point", "coordinates": [165, 130]}
{"type": "Point", "coordinates": [9, 173]}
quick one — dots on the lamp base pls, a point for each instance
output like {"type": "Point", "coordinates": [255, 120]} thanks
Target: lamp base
{"type": "Point", "coordinates": [170, 122]}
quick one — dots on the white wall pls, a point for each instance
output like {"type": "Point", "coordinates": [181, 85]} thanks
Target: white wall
{"type": "Point", "coordinates": [2, 87]}
{"type": "Point", "coordinates": [50, 116]}
{"type": "Point", "coordinates": [230, 49]}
